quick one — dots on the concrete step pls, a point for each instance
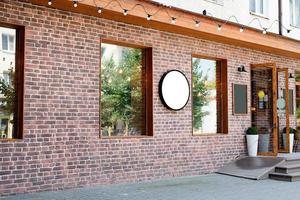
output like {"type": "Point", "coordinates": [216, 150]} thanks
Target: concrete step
{"type": "Point", "coordinates": [292, 161]}
{"type": "Point", "coordinates": [287, 168]}
{"type": "Point", "coordinates": [291, 177]}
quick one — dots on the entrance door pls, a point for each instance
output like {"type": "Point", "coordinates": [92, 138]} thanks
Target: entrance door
{"type": "Point", "coordinates": [283, 110]}
{"type": "Point", "coordinates": [264, 107]}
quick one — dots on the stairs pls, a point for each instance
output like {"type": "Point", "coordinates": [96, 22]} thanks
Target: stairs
{"type": "Point", "coordinates": [287, 171]}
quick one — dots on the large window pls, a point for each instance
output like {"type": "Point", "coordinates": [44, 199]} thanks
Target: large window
{"type": "Point", "coordinates": [126, 90]}
{"type": "Point", "coordinates": [295, 12]}
{"type": "Point", "coordinates": [11, 81]}
{"type": "Point", "coordinates": [209, 96]}
{"type": "Point", "coordinates": [259, 7]}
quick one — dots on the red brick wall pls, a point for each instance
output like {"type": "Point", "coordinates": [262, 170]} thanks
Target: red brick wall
{"type": "Point", "coordinates": [61, 146]}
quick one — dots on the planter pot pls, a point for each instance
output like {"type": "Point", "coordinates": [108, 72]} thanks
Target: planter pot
{"type": "Point", "coordinates": [263, 142]}
{"type": "Point", "coordinates": [291, 141]}
{"type": "Point", "coordinates": [252, 145]}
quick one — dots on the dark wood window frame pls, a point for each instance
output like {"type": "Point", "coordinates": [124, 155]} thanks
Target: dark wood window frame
{"type": "Point", "coordinates": [222, 63]}
{"type": "Point", "coordinates": [19, 79]}
{"type": "Point", "coordinates": [148, 89]}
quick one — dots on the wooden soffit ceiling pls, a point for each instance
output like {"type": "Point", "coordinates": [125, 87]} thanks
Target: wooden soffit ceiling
{"type": "Point", "coordinates": [185, 23]}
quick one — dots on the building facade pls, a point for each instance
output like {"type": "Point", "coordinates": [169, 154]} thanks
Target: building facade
{"type": "Point", "coordinates": [64, 142]}
{"type": "Point", "coordinates": [254, 13]}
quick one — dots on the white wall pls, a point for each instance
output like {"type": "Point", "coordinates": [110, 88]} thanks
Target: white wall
{"type": "Point", "coordinates": [239, 8]}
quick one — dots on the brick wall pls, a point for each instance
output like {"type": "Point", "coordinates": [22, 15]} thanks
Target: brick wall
{"type": "Point", "coordinates": [61, 146]}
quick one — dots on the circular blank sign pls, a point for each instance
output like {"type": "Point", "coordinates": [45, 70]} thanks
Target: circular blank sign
{"type": "Point", "coordinates": [174, 90]}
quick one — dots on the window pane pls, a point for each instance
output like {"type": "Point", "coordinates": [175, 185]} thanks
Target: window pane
{"type": "Point", "coordinates": [122, 91]}
{"type": "Point", "coordinates": [4, 42]}
{"type": "Point", "coordinates": [204, 96]}
{"type": "Point", "coordinates": [11, 42]}
{"type": "Point", "coordinates": [7, 87]}
{"type": "Point", "coordinates": [297, 13]}
{"type": "Point", "coordinates": [252, 5]}
{"type": "Point", "coordinates": [260, 7]}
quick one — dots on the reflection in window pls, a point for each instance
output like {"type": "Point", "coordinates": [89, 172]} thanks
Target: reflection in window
{"type": "Point", "coordinates": [204, 96]}
{"type": "Point", "coordinates": [8, 41]}
{"type": "Point", "coordinates": [122, 91]}
{"type": "Point", "coordinates": [7, 83]}
{"type": "Point", "coordinates": [210, 100]}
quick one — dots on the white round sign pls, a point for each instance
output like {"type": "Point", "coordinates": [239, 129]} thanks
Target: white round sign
{"type": "Point", "coordinates": [174, 90]}
{"type": "Point", "coordinates": [280, 103]}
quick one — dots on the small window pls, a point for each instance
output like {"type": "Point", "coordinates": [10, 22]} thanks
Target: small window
{"type": "Point", "coordinates": [11, 82]}
{"type": "Point", "coordinates": [8, 42]}
{"type": "Point", "coordinates": [295, 12]}
{"type": "Point", "coordinates": [126, 91]}
{"type": "Point", "coordinates": [259, 7]}
{"type": "Point", "coordinates": [209, 79]}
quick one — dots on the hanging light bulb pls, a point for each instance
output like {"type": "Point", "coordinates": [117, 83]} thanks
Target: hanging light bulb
{"type": "Point", "coordinates": [242, 29]}
{"type": "Point", "coordinates": [75, 4]}
{"type": "Point", "coordinates": [149, 17]}
{"type": "Point", "coordinates": [125, 12]}
{"type": "Point", "coordinates": [49, 2]}
{"type": "Point", "coordinates": [173, 21]}
{"type": "Point", "coordinates": [109, 80]}
{"type": "Point", "coordinates": [197, 23]}
{"type": "Point", "coordinates": [265, 31]}
{"type": "Point", "coordinates": [99, 10]}
{"type": "Point", "coordinates": [120, 71]}
{"type": "Point", "coordinates": [219, 27]}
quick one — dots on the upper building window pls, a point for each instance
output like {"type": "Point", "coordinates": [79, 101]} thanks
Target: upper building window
{"type": "Point", "coordinates": [8, 42]}
{"type": "Point", "coordinates": [295, 12]}
{"type": "Point", "coordinates": [209, 79]}
{"type": "Point", "coordinates": [219, 2]}
{"type": "Point", "coordinates": [126, 90]}
{"type": "Point", "coordinates": [11, 81]}
{"type": "Point", "coordinates": [259, 7]}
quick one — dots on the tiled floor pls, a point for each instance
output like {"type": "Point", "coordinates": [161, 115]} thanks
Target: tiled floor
{"type": "Point", "coordinates": [208, 187]}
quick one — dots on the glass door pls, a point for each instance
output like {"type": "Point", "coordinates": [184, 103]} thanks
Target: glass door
{"type": "Point", "coordinates": [283, 110]}
{"type": "Point", "coordinates": [263, 107]}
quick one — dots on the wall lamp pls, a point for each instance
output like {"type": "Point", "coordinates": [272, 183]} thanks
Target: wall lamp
{"type": "Point", "coordinates": [291, 75]}
{"type": "Point", "coordinates": [242, 68]}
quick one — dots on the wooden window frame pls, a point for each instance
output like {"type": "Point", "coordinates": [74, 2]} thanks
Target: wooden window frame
{"type": "Point", "coordinates": [147, 58]}
{"type": "Point", "coordinates": [222, 65]}
{"type": "Point", "coordinates": [19, 79]}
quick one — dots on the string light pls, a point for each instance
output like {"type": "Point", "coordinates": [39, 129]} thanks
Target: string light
{"type": "Point", "coordinates": [75, 4]}
{"type": "Point", "coordinates": [99, 10]}
{"type": "Point", "coordinates": [173, 20]}
{"type": "Point", "coordinates": [264, 31]}
{"type": "Point", "coordinates": [125, 12]}
{"type": "Point", "coordinates": [149, 17]}
{"type": "Point", "coordinates": [242, 29]}
{"type": "Point", "coordinates": [219, 27]}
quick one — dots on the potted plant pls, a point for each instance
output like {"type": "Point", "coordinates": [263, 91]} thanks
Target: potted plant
{"type": "Point", "coordinates": [292, 132]}
{"type": "Point", "coordinates": [252, 141]}
{"type": "Point", "coordinates": [263, 139]}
